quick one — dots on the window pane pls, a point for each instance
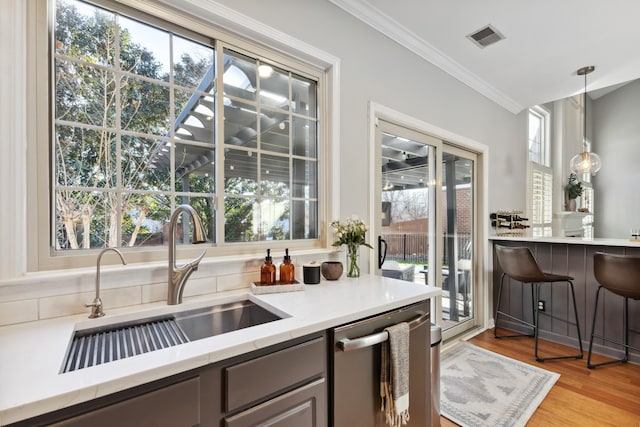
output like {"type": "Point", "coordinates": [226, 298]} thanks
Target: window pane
{"type": "Point", "coordinates": [145, 164]}
{"type": "Point", "coordinates": [239, 76]}
{"type": "Point", "coordinates": [83, 219]}
{"type": "Point", "coordinates": [145, 106]}
{"type": "Point", "coordinates": [304, 219]}
{"type": "Point", "coordinates": [305, 179]}
{"type": "Point", "coordinates": [192, 64]}
{"type": "Point", "coordinates": [274, 87]}
{"type": "Point", "coordinates": [241, 172]}
{"type": "Point", "coordinates": [274, 131]}
{"type": "Point", "coordinates": [194, 167]}
{"type": "Point", "coordinates": [274, 172]}
{"type": "Point", "coordinates": [84, 94]}
{"type": "Point", "coordinates": [304, 96]}
{"type": "Point", "coordinates": [238, 219]}
{"type": "Point", "coordinates": [84, 32]}
{"type": "Point", "coordinates": [535, 138]}
{"type": "Point", "coordinates": [144, 50]}
{"type": "Point", "coordinates": [274, 220]}
{"type": "Point", "coordinates": [144, 219]}
{"type": "Point", "coordinates": [84, 157]}
{"type": "Point", "coordinates": [195, 116]}
{"type": "Point", "coordinates": [304, 137]}
{"type": "Point", "coordinates": [240, 124]}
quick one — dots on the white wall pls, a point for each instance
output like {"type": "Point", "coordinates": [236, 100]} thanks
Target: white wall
{"type": "Point", "coordinates": [616, 129]}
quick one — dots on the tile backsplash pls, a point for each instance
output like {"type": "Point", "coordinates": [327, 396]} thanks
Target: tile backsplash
{"type": "Point", "coordinates": [45, 295]}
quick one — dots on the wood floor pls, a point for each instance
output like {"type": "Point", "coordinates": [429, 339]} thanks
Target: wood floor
{"type": "Point", "coordinates": [605, 396]}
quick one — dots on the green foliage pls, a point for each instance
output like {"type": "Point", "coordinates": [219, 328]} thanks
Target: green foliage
{"type": "Point", "coordinates": [574, 187]}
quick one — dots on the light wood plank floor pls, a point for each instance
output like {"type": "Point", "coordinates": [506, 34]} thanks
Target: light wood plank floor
{"type": "Point", "coordinates": [605, 396]}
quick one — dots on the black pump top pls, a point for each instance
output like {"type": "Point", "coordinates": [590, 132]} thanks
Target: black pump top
{"type": "Point", "coordinates": [286, 255]}
{"type": "Point", "coordinates": [268, 257]}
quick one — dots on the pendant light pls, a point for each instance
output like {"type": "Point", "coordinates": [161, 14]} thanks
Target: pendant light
{"type": "Point", "coordinates": [585, 162]}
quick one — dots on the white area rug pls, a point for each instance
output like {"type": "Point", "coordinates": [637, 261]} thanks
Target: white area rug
{"type": "Point", "coordinates": [483, 388]}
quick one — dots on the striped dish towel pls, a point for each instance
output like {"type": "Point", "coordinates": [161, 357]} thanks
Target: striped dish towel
{"type": "Point", "coordinates": [394, 375]}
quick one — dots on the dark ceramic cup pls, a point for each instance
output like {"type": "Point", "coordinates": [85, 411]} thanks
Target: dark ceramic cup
{"type": "Point", "coordinates": [331, 270]}
{"type": "Point", "coordinates": [311, 273]}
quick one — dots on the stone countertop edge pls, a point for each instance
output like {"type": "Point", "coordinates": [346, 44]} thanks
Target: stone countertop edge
{"type": "Point", "coordinates": [31, 354]}
{"type": "Point", "coordinates": [595, 241]}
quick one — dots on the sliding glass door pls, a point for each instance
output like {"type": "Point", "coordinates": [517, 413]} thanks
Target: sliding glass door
{"type": "Point", "coordinates": [425, 224]}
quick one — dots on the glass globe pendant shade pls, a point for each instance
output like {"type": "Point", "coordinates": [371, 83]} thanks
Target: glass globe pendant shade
{"type": "Point", "coordinates": [585, 162]}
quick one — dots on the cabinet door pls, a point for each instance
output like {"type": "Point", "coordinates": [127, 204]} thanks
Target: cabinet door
{"type": "Point", "coordinates": [177, 405]}
{"type": "Point", "coordinates": [303, 407]}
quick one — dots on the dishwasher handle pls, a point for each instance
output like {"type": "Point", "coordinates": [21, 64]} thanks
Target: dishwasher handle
{"type": "Point", "coordinates": [347, 344]}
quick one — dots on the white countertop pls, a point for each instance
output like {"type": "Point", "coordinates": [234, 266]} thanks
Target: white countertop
{"type": "Point", "coordinates": [596, 241]}
{"type": "Point", "coordinates": [31, 354]}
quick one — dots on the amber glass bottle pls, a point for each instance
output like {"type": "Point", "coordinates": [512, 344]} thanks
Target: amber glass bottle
{"type": "Point", "coordinates": [287, 270]}
{"type": "Point", "coordinates": [268, 271]}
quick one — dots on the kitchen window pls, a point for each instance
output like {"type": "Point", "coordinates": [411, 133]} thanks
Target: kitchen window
{"type": "Point", "coordinates": [148, 115]}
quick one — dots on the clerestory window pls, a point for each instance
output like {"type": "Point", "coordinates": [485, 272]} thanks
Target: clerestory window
{"type": "Point", "coordinates": [540, 175]}
{"type": "Point", "coordinates": [148, 115]}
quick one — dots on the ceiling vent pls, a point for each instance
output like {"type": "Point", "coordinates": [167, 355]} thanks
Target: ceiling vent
{"type": "Point", "coordinates": [485, 36]}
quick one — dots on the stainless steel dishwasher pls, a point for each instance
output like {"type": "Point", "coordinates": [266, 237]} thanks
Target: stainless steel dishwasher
{"type": "Point", "coordinates": [355, 365]}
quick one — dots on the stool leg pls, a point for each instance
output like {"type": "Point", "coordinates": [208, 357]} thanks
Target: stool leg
{"type": "Point", "coordinates": [593, 329]}
{"type": "Point", "coordinates": [626, 330]}
{"type": "Point", "coordinates": [498, 312]}
{"type": "Point", "coordinates": [626, 335]}
{"type": "Point", "coordinates": [575, 311]}
{"type": "Point", "coordinates": [495, 326]}
{"type": "Point", "coordinates": [536, 317]}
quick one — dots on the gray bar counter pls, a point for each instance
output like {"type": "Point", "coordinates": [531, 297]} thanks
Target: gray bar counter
{"type": "Point", "coordinates": [574, 257]}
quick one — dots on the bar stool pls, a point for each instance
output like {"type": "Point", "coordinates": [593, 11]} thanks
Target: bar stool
{"type": "Point", "coordinates": [619, 274]}
{"type": "Point", "coordinates": [520, 265]}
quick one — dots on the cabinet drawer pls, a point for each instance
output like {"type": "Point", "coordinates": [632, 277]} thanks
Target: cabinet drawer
{"type": "Point", "coordinates": [302, 407]}
{"type": "Point", "coordinates": [268, 375]}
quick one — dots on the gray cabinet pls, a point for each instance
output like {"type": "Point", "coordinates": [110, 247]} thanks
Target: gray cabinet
{"type": "Point", "coordinates": [177, 405]}
{"type": "Point", "coordinates": [282, 385]}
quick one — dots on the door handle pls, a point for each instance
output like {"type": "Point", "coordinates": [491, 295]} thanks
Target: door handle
{"type": "Point", "coordinates": [383, 255]}
{"type": "Point", "coordinates": [347, 344]}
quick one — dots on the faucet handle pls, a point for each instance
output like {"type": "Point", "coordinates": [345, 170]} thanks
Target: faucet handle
{"type": "Point", "coordinates": [96, 308]}
{"type": "Point", "coordinates": [196, 261]}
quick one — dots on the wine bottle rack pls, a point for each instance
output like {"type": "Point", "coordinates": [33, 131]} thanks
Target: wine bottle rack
{"type": "Point", "coordinates": [509, 223]}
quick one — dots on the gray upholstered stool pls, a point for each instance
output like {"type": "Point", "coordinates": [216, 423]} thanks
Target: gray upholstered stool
{"type": "Point", "coordinates": [520, 265]}
{"type": "Point", "coordinates": [619, 274]}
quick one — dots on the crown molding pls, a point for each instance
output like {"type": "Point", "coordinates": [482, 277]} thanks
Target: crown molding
{"type": "Point", "coordinates": [379, 21]}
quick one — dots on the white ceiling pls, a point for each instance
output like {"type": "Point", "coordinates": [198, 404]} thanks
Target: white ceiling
{"type": "Point", "coordinates": [546, 42]}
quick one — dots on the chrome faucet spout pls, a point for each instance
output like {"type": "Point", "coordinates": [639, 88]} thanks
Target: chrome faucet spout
{"type": "Point", "coordinates": [96, 305]}
{"type": "Point", "coordinates": [178, 275]}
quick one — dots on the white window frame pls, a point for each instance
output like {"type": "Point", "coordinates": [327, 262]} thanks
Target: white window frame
{"type": "Point", "coordinates": [543, 171]}
{"type": "Point", "coordinates": [255, 38]}
{"type": "Point", "coordinates": [544, 115]}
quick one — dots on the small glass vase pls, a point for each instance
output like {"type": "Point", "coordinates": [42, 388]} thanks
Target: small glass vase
{"type": "Point", "coordinates": [353, 254]}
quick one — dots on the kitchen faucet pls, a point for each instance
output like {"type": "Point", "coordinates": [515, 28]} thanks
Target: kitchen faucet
{"type": "Point", "coordinates": [96, 305]}
{"type": "Point", "coordinates": [178, 275]}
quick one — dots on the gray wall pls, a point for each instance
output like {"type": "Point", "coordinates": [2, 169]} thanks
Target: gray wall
{"type": "Point", "coordinates": [616, 130]}
{"type": "Point", "coordinates": [375, 68]}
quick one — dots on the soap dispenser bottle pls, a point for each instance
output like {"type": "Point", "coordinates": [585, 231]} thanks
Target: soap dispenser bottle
{"type": "Point", "coordinates": [287, 270]}
{"type": "Point", "coordinates": [268, 271]}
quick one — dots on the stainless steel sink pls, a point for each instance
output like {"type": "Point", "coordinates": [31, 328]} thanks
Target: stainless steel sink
{"type": "Point", "coordinates": [219, 319]}
{"type": "Point", "coordinates": [95, 346]}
